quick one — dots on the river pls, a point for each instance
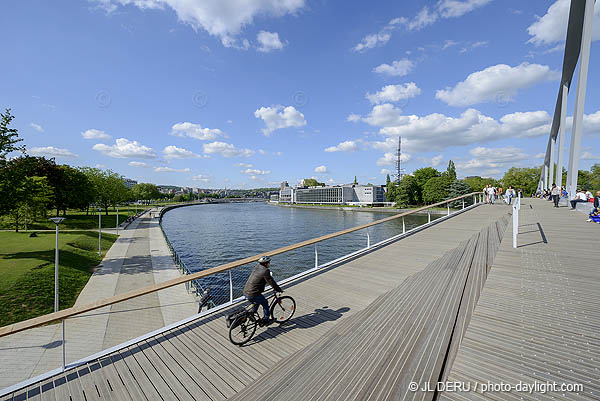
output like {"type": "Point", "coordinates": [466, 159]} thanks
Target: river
{"type": "Point", "coordinates": [209, 235]}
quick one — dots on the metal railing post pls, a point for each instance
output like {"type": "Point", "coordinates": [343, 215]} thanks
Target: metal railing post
{"type": "Point", "coordinates": [117, 220]}
{"type": "Point", "coordinates": [428, 216]}
{"type": "Point", "coordinates": [230, 287]}
{"type": "Point", "coordinates": [515, 223]}
{"type": "Point", "coordinates": [448, 205]}
{"type": "Point", "coordinates": [463, 201]}
{"type": "Point", "coordinates": [64, 351]}
{"type": "Point", "coordinates": [368, 241]}
{"type": "Point", "coordinates": [316, 258]}
{"type": "Point", "coordinates": [403, 226]}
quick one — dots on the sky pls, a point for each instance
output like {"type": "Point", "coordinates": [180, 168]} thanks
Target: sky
{"type": "Point", "coordinates": [248, 93]}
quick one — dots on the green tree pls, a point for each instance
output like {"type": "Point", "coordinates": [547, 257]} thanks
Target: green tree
{"type": "Point", "coordinates": [476, 184]}
{"type": "Point", "coordinates": [9, 137]}
{"type": "Point", "coordinates": [388, 180]}
{"type": "Point", "coordinates": [584, 179]}
{"type": "Point", "coordinates": [355, 181]}
{"type": "Point", "coordinates": [451, 171]}
{"type": "Point", "coordinates": [33, 197]}
{"type": "Point", "coordinates": [423, 175]}
{"type": "Point", "coordinates": [109, 188]}
{"type": "Point", "coordinates": [595, 177]}
{"type": "Point", "coordinates": [406, 193]}
{"type": "Point", "coordinates": [145, 190]}
{"type": "Point", "coordinates": [522, 178]}
{"type": "Point", "coordinates": [458, 188]}
{"type": "Point", "coordinates": [311, 182]}
{"type": "Point", "coordinates": [436, 189]}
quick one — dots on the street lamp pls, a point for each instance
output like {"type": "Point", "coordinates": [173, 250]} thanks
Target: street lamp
{"type": "Point", "coordinates": [57, 221]}
{"type": "Point", "coordinates": [100, 232]}
{"type": "Point", "coordinates": [117, 219]}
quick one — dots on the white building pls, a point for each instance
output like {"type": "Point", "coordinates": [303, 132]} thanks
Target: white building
{"type": "Point", "coordinates": [335, 195]}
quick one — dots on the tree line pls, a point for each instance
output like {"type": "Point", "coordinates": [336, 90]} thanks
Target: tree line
{"type": "Point", "coordinates": [427, 185]}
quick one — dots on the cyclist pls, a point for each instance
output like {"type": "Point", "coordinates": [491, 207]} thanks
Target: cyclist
{"type": "Point", "coordinates": [255, 285]}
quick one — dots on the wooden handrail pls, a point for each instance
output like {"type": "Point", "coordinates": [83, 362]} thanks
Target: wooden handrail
{"type": "Point", "coordinates": [73, 311]}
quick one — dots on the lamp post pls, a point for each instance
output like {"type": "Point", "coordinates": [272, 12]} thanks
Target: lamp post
{"type": "Point", "coordinates": [117, 219]}
{"type": "Point", "coordinates": [57, 221]}
{"type": "Point", "coordinates": [100, 232]}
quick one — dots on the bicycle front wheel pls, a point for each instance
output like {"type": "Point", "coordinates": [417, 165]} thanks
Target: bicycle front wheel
{"type": "Point", "coordinates": [242, 329]}
{"type": "Point", "coordinates": [283, 309]}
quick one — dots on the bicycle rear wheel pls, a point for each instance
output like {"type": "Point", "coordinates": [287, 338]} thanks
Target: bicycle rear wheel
{"type": "Point", "coordinates": [242, 329]}
{"type": "Point", "coordinates": [283, 309]}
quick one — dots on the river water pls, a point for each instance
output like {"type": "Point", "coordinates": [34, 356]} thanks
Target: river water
{"type": "Point", "coordinates": [209, 235]}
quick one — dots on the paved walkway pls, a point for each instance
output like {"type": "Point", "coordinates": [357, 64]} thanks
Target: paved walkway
{"type": "Point", "coordinates": [538, 319]}
{"type": "Point", "coordinates": [138, 258]}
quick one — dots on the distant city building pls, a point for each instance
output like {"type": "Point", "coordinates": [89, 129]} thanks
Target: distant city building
{"type": "Point", "coordinates": [335, 195]}
{"type": "Point", "coordinates": [129, 183]}
{"type": "Point", "coordinates": [283, 185]}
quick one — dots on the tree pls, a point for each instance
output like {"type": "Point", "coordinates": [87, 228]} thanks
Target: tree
{"type": "Point", "coordinates": [423, 175]}
{"type": "Point", "coordinates": [355, 181]}
{"type": "Point", "coordinates": [388, 180]}
{"type": "Point", "coordinates": [476, 184]}
{"type": "Point", "coordinates": [522, 178]}
{"type": "Point", "coordinates": [146, 190]}
{"type": "Point", "coordinates": [451, 171]}
{"type": "Point", "coordinates": [436, 189]}
{"type": "Point", "coordinates": [9, 137]}
{"type": "Point", "coordinates": [109, 188]}
{"type": "Point", "coordinates": [458, 188]}
{"type": "Point", "coordinates": [311, 182]}
{"type": "Point", "coordinates": [406, 193]}
{"type": "Point", "coordinates": [33, 196]}
{"type": "Point", "coordinates": [595, 177]}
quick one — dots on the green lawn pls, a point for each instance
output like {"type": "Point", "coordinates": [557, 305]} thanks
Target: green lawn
{"type": "Point", "coordinates": [27, 271]}
{"type": "Point", "coordinates": [76, 220]}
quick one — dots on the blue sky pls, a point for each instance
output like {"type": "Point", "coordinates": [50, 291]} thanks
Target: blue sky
{"type": "Point", "coordinates": [247, 93]}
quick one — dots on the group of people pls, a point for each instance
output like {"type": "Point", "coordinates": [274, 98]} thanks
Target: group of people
{"type": "Point", "coordinates": [581, 195]}
{"type": "Point", "coordinates": [492, 193]}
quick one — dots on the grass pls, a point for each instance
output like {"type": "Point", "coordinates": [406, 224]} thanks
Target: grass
{"type": "Point", "coordinates": [27, 271]}
{"type": "Point", "coordinates": [75, 220]}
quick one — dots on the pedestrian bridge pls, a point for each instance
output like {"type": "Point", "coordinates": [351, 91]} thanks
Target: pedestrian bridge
{"type": "Point", "coordinates": [450, 302]}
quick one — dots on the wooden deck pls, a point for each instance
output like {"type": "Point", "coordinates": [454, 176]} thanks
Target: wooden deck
{"type": "Point", "coordinates": [538, 317]}
{"type": "Point", "coordinates": [197, 361]}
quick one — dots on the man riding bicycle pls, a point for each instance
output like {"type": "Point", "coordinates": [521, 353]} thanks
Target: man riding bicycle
{"type": "Point", "coordinates": [260, 276]}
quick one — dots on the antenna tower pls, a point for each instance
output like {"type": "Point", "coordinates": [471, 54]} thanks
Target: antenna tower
{"type": "Point", "coordinates": [399, 170]}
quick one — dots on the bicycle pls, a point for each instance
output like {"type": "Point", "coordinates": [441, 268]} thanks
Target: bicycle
{"type": "Point", "coordinates": [242, 325]}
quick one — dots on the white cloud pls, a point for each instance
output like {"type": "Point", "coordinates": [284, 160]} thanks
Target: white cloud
{"type": "Point", "coordinates": [173, 152]}
{"type": "Point", "coordinates": [246, 165]}
{"type": "Point", "coordinates": [51, 151]}
{"type": "Point", "coordinates": [171, 170]}
{"type": "Point", "coordinates": [277, 117]}
{"type": "Point", "coordinates": [268, 41]}
{"type": "Point", "coordinates": [436, 160]}
{"type": "Point", "coordinates": [226, 150]}
{"type": "Point", "coordinates": [138, 164]}
{"type": "Point", "coordinates": [552, 26]}
{"type": "Point", "coordinates": [474, 45]}
{"type": "Point", "coordinates": [201, 178]}
{"type": "Point", "coordinates": [398, 68]}
{"type": "Point", "coordinates": [449, 43]}
{"type": "Point", "coordinates": [253, 171]}
{"type": "Point", "coordinates": [196, 131]}
{"type": "Point", "coordinates": [394, 93]}
{"type": "Point", "coordinates": [589, 156]}
{"type": "Point", "coordinates": [346, 146]}
{"type": "Point", "coordinates": [372, 40]}
{"type": "Point", "coordinates": [321, 170]}
{"type": "Point", "coordinates": [95, 134]}
{"type": "Point", "coordinates": [385, 171]}
{"type": "Point", "coordinates": [539, 155]}
{"type": "Point", "coordinates": [490, 161]}
{"type": "Point", "coordinates": [222, 19]}
{"type": "Point", "coordinates": [498, 82]}
{"type": "Point", "coordinates": [353, 118]}
{"type": "Point", "coordinates": [124, 148]}
{"type": "Point", "coordinates": [100, 166]}
{"type": "Point", "coordinates": [456, 8]}
{"type": "Point", "coordinates": [422, 19]}
{"type": "Point", "coordinates": [277, 153]}
{"type": "Point", "coordinates": [527, 124]}
{"type": "Point", "coordinates": [385, 115]}
{"type": "Point", "coordinates": [389, 159]}
{"type": "Point", "coordinates": [36, 127]}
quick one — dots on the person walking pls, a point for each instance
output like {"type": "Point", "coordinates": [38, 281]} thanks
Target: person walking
{"type": "Point", "coordinates": [555, 192]}
{"type": "Point", "coordinates": [510, 193]}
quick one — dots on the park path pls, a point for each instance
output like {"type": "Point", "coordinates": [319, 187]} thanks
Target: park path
{"type": "Point", "coordinates": [138, 258]}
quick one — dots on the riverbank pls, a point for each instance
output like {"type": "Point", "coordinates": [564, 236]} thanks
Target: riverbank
{"type": "Point", "coordinates": [138, 258]}
{"type": "Point", "coordinates": [391, 210]}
